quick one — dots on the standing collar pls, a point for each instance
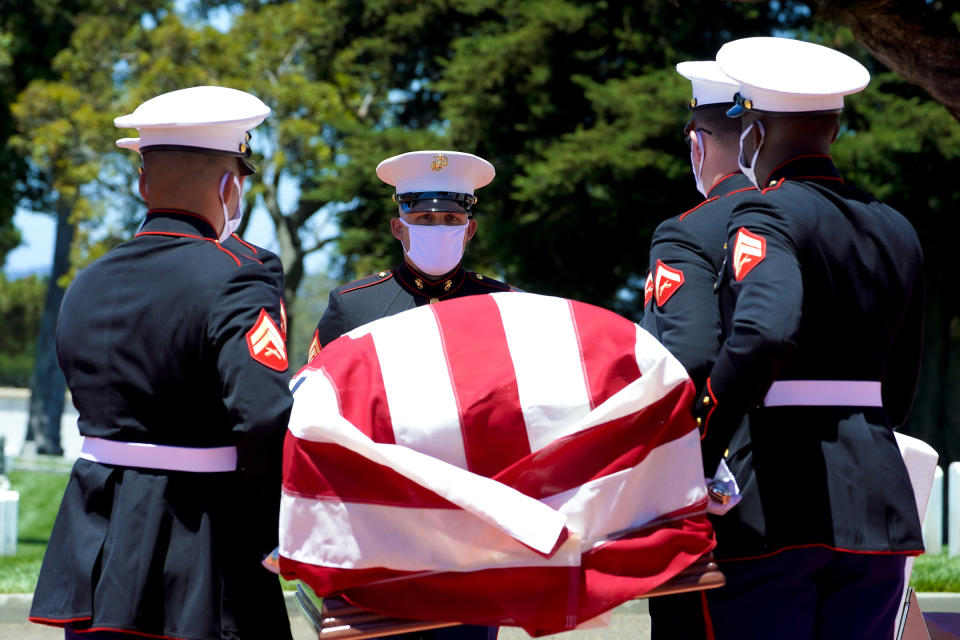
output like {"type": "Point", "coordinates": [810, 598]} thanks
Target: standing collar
{"type": "Point", "coordinates": [731, 182]}
{"type": "Point", "coordinates": [809, 167]}
{"type": "Point", "coordinates": [424, 286]}
{"type": "Point", "coordinates": [177, 222]}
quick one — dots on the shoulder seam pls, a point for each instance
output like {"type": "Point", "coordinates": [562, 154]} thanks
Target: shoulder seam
{"type": "Point", "coordinates": [688, 212]}
{"type": "Point", "coordinates": [364, 286]}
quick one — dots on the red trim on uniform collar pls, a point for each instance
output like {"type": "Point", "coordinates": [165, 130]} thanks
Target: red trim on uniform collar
{"type": "Point", "coordinates": [684, 215]}
{"type": "Point", "coordinates": [726, 177]}
{"type": "Point", "coordinates": [740, 191]}
{"type": "Point", "coordinates": [430, 287]}
{"type": "Point", "coordinates": [187, 235]}
{"type": "Point", "coordinates": [795, 158]}
{"type": "Point", "coordinates": [808, 156]}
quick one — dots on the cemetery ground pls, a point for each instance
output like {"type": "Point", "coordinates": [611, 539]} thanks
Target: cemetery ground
{"type": "Point", "coordinates": [41, 490]}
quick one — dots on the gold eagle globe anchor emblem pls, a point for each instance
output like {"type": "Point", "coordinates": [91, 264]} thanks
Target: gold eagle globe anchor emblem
{"type": "Point", "coordinates": [439, 162]}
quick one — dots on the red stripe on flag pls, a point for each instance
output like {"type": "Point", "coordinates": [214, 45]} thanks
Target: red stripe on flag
{"type": "Point", "coordinates": [323, 470]}
{"type": "Point", "coordinates": [571, 461]}
{"type": "Point", "coordinates": [484, 383]}
{"type": "Point", "coordinates": [609, 361]}
{"type": "Point", "coordinates": [525, 596]}
{"type": "Point", "coordinates": [359, 384]}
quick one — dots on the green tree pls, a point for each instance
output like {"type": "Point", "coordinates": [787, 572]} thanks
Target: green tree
{"type": "Point", "coordinates": [21, 305]}
{"type": "Point", "coordinates": [578, 107]}
{"type": "Point", "coordinates": [31, 35]}
{"type": "Point", "coordinates": [62, 127]}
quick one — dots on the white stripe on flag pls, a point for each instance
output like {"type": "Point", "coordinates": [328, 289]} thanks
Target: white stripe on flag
{"type": "Point", "coordinates": [316, 403]}
{"type": "Point", "coordinates": [669, 479]}
{"type": "Point", "coordinates": [352, 535]}
{"type": "Point", "coordinates": [546, 358]}
{"type": "Point", "coordinates": [520, 516]}
{"type": "Point", "coordinates": [423, 407]}
{"type": "Point", "coordinates": [367, 536]}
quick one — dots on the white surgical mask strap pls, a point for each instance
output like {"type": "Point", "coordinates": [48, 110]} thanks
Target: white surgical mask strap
{"type": "Point", "coordinates": [698, 169]}
{"type": "Point", "coordinates": [751, 171]}
{"type": "Point", "coordinates": [230, 222]}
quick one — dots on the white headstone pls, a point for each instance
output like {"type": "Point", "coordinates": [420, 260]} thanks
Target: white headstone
{"type": "Point", "coordinates": [9, 501]}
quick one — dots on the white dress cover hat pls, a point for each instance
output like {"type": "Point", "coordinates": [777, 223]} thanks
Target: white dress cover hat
{"type": "Point", "coordinates": [781, 75]}
{"type": "Point", "coordinates": [207, 118]}
{"type": "Point", "coordinates": [709, 84]}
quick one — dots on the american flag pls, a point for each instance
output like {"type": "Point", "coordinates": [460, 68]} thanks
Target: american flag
{"type": "Point", "coordinates": [505, 459]}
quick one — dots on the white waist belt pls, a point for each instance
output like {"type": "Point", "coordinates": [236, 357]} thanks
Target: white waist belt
{"type": "Point", "coordinates": [824, 393]}
{"type": "Point", "coordinates": [158, 456]}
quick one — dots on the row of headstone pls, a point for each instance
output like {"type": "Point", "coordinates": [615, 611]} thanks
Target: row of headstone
{"type": "Point", "coordinates": [943, 504]}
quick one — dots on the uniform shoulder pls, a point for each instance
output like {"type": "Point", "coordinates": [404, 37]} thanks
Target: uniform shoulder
{"type": "Point", "coordinates": [365, 282]}
{"type": "Point", "coordinates": [685, 214]}
{"type": "Point", "coordinates": [238, 245]}
{"type": "Point", "coordinates": [490, 283]}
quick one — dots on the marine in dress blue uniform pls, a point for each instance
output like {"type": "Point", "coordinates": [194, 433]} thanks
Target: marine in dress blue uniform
{"type": "Point", "coordinates": [430, 185]}
{"type": "Point", "coordinates": [435, 193]}
{"type": "Point", "coordinates": [173, 347]}
{"type": "Point", "coordinates": [823, 330]}
{"type": "Point", "coordinates": [681, 306]}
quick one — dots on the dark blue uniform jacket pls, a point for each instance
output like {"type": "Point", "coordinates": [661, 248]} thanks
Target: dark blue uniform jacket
{"type": "Point", "coordinates": [389, 292]}
{"type": "Point", "coordinates": [684, 314]}
{"type": "Point", "coordinates": [153, 340]}
{"type": "Point", "coordinates": [822, 282]}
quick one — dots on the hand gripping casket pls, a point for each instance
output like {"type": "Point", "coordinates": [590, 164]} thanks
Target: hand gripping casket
{"type": "Point", "coordinates": [505, 459]}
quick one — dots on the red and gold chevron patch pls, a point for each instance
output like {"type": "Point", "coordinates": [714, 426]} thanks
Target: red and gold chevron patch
{"type": "Point", "coordinates": [266, 343]}
{"type": "Point", "coordinates": [666, 283]}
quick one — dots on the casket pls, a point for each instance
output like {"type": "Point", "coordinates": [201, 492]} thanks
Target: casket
{"type": "Point", "coordinates": [504, 459]}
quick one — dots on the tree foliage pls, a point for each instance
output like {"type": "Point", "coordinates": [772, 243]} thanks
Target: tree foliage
{"type": "Point", "coordinates": [21, 304]}
{"type": "Point", "coordinates": [576, 104]}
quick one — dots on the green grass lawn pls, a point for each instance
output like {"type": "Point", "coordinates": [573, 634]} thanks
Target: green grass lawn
{"type": "Point", "coordinates": [936, 573]}
{"type": "Point", "coordinates": [40, 494]}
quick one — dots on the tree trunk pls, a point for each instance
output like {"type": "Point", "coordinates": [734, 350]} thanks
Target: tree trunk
{"type": "Point", "coordinates": [47, 384]}
{"type": "Point", "coordinates": [291, 255]}
{"type": "Point", "coordinates": [917, 42]}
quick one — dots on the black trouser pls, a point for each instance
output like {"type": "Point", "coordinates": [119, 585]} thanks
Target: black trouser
{"type": "Point", "coordinates": [678, 617]}
{"type": "Point", "coordinates": [813, 593]}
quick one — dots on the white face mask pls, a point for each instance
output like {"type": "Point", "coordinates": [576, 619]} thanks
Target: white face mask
{"type": "Point", "coordinates": [435, 249]}
{"type": "Point", "coordinates": [698, 170]}
{"type": "Point", "coordinates": [230, 220]}
{"type": "Point", "coordinates": [751, 171]}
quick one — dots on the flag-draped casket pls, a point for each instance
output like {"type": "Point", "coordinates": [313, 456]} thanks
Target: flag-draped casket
{"type": "Point", "coordinates": [493, 459]}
